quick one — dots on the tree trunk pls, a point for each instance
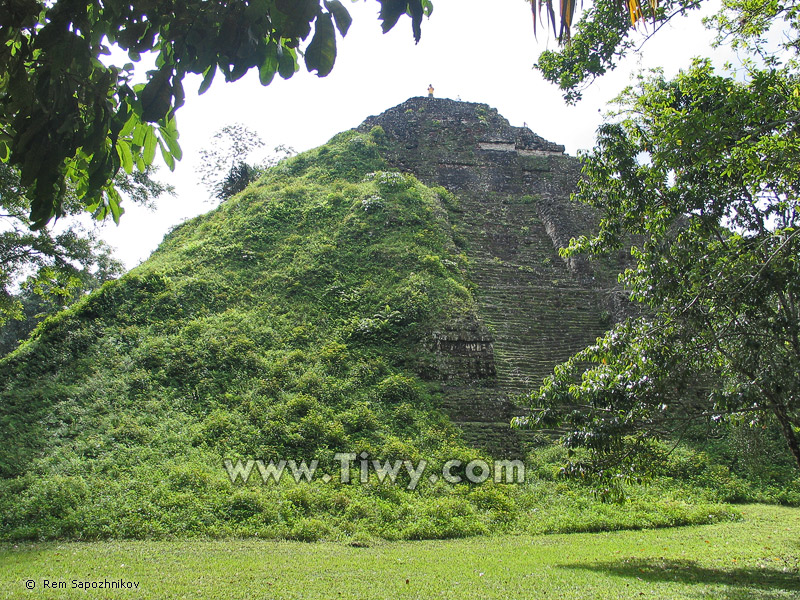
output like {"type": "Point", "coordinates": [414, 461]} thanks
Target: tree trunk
{"type": "Point", "coordinates": [788, 432]}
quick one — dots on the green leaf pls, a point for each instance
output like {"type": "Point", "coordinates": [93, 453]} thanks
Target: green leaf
{"type": "Point", "coordinates": [287, 65]}
{"type": "Point", "coordinates": [149, 147]}
{"type": "Point", "coordinates": [321, 52]}
{"type": "Point", "coordinates": [98, 168]}
{"type": "Point", "coordinates": [177, 93]}
{"type": "Point", "coordinates": [114, 200]}
{"type": "Point", "coordinates": [169, 133]}
{"type": "Point", "coordinates": [340, 15]}
{"type": "Point", "coordinates": [139, 133]}
{"type": "Point", "coordinates": [416, 11]}
{"type": "Point", "coordinates": [165, 154]}
{"type": "Point", "coordinates": [391, 10]}
{"type": "Point", "coordinates": [299, 14]}
{"type": "Point", "coordinates": [208, 77]}
{"type": "Point", "coordinates": [156, 97]}
{"type": "Point", "coordinates": [268, 67]}
{"type": "Point", "coordinates": [125, 155]}
{"type": "Point", "coordinates": [132, 121]}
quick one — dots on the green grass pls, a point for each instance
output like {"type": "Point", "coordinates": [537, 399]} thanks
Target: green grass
{"type": "Point", "coordinates": [756, 558]}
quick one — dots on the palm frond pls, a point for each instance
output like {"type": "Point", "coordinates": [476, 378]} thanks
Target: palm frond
{"type": "Point", "coordinates": [562, 27]}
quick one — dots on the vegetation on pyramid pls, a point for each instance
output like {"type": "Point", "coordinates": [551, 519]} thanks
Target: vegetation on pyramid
{"type": "Point", "coordinates": [311, 315]}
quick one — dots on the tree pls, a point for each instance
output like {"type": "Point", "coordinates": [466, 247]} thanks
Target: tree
{"type": "Point", "coordinates": [602, 37]}
{"type": "Point", "coordinates": [69, 117]}
{"type": "Point", "coordinates": [704, 171]}
{"type": "Point", "coordinates": [60, 264]}
{"type": "Point", "coordinates": [226, 157]}
{"type": "Point", "coordinates": [39, 297]}
{"type": "Point", "coordinates": [224, 169]}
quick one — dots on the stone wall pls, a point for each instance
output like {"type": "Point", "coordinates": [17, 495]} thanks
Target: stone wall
{"type": "Point", "coordinates": [512, 215]}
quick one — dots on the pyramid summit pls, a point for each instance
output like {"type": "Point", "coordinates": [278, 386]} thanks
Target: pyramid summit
{"type": "Point", "coordinates": [388, 293]}
{"type": "Point", "coordinates": [479, 124]}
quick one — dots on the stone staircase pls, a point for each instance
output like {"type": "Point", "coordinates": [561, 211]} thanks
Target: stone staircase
{"type": "Point", "coordinates": [513, 212]}
{"type": "Point", "coordinates": [537, 310]}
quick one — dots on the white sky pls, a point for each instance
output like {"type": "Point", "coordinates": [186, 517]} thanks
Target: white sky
{"type": "Point", "coordinates": [473, 49]}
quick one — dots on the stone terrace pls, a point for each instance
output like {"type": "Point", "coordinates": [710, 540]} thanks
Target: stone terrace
{"type": "Point", "coordinates": [513, 213]}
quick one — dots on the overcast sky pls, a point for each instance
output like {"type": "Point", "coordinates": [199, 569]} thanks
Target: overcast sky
{"type": "Point", "coordinates": [475, 50]}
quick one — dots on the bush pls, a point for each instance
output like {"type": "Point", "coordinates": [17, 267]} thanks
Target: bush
{"type": "Point", "coordinates": [309, 530]}
{"type": "Point", "coordinates": [443, 518]}
{"type": "Point", "coordinates": [398, 388]}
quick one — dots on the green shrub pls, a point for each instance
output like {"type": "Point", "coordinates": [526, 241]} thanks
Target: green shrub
{"type": "Point", "coordinates": [309, 530]}
{"type": "Point", "coordinates": [442, 518]}
{"type": "Point", "coordinates": [398, 388]}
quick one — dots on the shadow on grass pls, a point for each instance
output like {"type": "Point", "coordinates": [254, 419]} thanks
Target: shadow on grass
{"type": "Point", "coordinates": [742, 582]}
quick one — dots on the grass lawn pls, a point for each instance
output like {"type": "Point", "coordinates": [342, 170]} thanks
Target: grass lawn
{"type": "Point", "coordinates": [757, 558]}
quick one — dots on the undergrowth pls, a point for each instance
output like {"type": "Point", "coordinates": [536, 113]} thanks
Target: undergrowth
{"type": "Point", "coordinates": [289, 323]}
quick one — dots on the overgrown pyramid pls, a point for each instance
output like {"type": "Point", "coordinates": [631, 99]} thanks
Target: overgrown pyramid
{"type": "Point", "coordinates": [388, 293]}
{"type": "Point", "coordinates": [511, 215]}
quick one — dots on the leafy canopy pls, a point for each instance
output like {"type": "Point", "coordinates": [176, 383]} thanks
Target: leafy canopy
{"type": "Point", "coordinates": [601, 38]}
{"type": "Point", "coordinates": [69, 117]}
{"type": "Point", "coordinates": [52, 267]}
{"type": "Point", "coordinates": [702, 173]}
